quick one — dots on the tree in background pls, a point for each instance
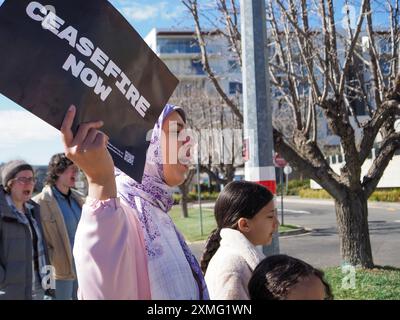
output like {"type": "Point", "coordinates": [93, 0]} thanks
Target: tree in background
{"type": "Point", "coordinates": [325, 69]}
{"type": "Point", "coordinates": [218, 134]}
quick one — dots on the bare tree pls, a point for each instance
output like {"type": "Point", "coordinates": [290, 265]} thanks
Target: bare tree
{"type": "Point", "coordinates": [214, 127]}
{"type": "Point", "coordinates": [319, 65]}
{"type": "Point", "coordinates": [184, 189]}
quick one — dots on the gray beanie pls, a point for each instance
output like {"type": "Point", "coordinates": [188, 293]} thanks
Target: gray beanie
{"type": "Point", "coordinates": [11, 169]}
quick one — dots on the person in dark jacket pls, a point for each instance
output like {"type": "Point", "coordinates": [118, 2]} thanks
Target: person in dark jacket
{"type": "Point", "coordinates": [25, 271]}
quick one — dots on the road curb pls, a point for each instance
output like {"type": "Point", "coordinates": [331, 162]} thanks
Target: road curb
{"type": "Point", "coordinates": [294, 232]}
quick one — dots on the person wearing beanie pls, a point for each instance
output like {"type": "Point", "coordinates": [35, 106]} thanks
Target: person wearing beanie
{"type": "Point", "coordinates": [25, 271]}
{"type": "Point", "coordinates": [60, 210]}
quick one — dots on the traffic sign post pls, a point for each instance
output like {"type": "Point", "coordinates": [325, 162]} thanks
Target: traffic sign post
{"type": "Point", "coordinates": [287, 170]}
{"type": "Point", "coordinates": [282, 221]}
{"type": "Point", "coordinates": [280, 163]}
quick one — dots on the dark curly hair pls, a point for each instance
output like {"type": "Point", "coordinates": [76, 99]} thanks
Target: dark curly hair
{"type": "Point", "coordinates": [276, 275]}
{"type": "Point", "coordinates": [57, 166]}
{"type": "Point", "coordinates": [239, 199]}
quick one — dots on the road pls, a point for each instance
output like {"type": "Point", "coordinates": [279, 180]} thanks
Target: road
{"type": "Point", "coordinates": [320, 247]}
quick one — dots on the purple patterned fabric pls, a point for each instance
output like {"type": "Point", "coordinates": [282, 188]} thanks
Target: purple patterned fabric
{"type": "Point", "coordinates": [147, 198]}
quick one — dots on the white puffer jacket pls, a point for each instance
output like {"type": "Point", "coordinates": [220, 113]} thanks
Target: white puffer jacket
{"type": "Point", "coordinates": [230, 269]}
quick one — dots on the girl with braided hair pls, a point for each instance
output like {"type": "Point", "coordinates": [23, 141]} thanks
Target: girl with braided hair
{"type": "Point", "coordinates": [246, 218]}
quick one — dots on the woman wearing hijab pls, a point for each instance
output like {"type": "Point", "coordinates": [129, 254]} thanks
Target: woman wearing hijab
{"type": "Point", "coordinates": [127, 246]}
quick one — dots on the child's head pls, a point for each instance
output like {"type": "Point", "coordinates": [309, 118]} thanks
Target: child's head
{"type": "Point", "coordinates": [247, 207]}
{"type": "Point", "coordinates": [281, 277]}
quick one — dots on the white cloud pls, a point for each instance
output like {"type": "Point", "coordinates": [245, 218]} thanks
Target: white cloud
{"type": "Point", "coordinates": [174, 14]}
{"type": "Point", "coordinates": [18, 127]}
{"type": "Point", "coordinates": [141, 12]}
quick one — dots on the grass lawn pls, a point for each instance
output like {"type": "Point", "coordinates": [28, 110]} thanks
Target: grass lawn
{"type": "Point", "coordinates": [381, 283]}
{"type": "Point", "coordinates": [287, 227]}
{"type": "Point", "coordinates": [190, 227]}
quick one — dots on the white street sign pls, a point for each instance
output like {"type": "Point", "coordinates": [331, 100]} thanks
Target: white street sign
{"type": "Point", "coordinates": [287, 170]}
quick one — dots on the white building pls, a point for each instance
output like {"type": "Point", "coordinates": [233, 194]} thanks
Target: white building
{"type": "Point", "coordinates": [390, 178]}
{"type": "Point", "coordinates": [181, 53]}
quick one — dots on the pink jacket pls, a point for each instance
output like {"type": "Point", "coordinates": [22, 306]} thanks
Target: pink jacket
{"type": "Point", "coordinates": [109, 253]}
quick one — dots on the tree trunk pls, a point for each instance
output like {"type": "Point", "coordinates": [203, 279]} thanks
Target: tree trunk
{"type": "Point", "coordinates": [352, 219]}
{"type": "Point", "coordinates": [230, 172]}
{"type": "Point", "coordinates": [184, 200]}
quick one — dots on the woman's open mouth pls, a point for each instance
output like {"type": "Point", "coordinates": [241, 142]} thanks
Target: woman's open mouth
{"type": "Point", "coordinates": [27, 193]}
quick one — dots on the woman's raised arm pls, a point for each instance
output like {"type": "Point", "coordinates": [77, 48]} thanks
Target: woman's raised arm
{"type": "Point", "coordinates": [88, 150]}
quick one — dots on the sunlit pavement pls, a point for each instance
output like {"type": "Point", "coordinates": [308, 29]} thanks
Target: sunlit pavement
{"type": "Point", "coordinates": [321, 246]}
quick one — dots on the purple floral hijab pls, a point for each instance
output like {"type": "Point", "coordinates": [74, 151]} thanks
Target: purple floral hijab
{"type": "Point", "coordinates": [167, 252]}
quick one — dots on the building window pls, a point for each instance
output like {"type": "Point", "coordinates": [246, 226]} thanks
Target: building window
{"type": "Point", "coordinates": [303, 89]}
{"type": "Point", "coordinates": [385, 46]}
{"type": "Point", "coordinates": [177, 46]}
{"type": "Point", "coordinates": [235, 87]}
{"type": "Point", "coordinates": [385, 67]}
{"type": "Point", "coordinates": [329, 132]}
{"type": "Point", "coordinates": [197, 67]}
{"type": "Point", "coordinates": [359, 107]}
{"type": "Point", "coordinates": [276, 92]}
{"type": "Point", "coordinates": [233, 66]}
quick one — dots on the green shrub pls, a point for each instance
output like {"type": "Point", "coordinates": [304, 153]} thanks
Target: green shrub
{"type": "Point", "coordinates": [294, 186]}
{"type": "Point", "coordinates": [193, 196]}
{"type": "Point", "coordinates": [177, 198]}
{"type": "Point", "coordinates": [390, 195]}
{"type": "Point", "coordinates": [299, 184]}
{"type": "Point", "coordinates": [316, 194]}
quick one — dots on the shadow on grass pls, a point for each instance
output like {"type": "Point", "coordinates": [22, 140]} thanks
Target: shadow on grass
{"type": "Point", "coordinates": [386, 268]}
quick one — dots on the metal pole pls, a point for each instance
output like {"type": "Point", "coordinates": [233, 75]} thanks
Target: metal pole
{"type": "Point", "coordinates": [257, 109]}
{"type": "Point", "coordinates": [287, 184]}
{"type": "Point", "coordinates": [199, 189]}
{"type": "Point", "coordinates": [282, 222]}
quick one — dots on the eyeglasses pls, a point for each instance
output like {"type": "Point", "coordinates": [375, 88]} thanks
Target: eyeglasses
{"type": "Point", "coordinates": [25, 180]}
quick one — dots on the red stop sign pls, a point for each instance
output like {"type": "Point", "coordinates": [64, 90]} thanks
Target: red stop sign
{"type": "Point", "coordinates": [279, 161]}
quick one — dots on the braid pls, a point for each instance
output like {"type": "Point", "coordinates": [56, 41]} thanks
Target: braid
{"type": "Point", "coordinates": [211, 248]}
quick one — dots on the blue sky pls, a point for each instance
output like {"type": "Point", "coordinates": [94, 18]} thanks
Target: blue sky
{"type": "Point", "coordinates": [25, 136]}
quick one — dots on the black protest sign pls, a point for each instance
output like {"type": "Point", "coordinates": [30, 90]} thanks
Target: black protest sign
{"type": "Point", "coordinates": [57, 53]}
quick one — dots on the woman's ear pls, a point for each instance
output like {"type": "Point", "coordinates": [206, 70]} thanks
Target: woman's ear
{"type": "Point", "coordinates": [243, 225]}
{"type": "Point", "coordinates": [8, 186]}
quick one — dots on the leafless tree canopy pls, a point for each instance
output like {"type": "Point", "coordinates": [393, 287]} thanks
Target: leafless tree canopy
{"type": "Point", "coordinates": [336, 61]}
{"type": "Point", "coordinates": [217, 131]}
{"type": "Point", "coordinates": [321, 63]}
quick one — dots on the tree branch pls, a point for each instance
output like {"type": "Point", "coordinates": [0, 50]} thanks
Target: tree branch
{"type": "Point", "coordinates": [213, 175]}
{"type": "Point", "coordinates": [376, 73]}
{"type": "Point", "coordinates": [233, 31]}
{"type": "Point", "coordinates": [371, 129]}
{"type": "Point", "coordinates": [386, 152]}
{"type": "Point", "coordinates": [349, 55]}
{"type": "Point", "coordinates": [332, 40]}
{"type": "Point", "coordinates": [311, 162]}
{"type": "Point", "coordinates": [192, 6]}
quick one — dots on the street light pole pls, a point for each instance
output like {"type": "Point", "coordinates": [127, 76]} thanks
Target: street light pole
{"type": "Point", "coordinates": [199, 186]}
{"type": "Point", "coordinates": [257, 109]}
